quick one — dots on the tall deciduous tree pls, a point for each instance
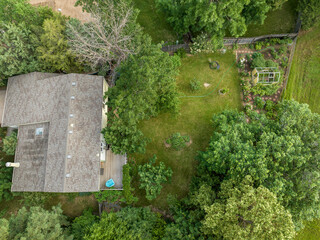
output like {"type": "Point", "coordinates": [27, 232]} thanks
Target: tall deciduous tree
{"type": "Point", "coordinates": [245, 212]}
{"type": "Point", "coordinates": [145, 86]}
{"type": "Point", "coordinates": [282, 154]}
{"type": "Point", "coordinates": [213, 17]}
{"type": "Point", "coordinates": [38, 223]}
{"type": "Point", "coordinates": [17, 50]}
{"type": "Point", "coordinates": [127, 224]}
{"type": "Point", "coordinates": [109, 38]}
{"type": "Point", "coordinates": [151, 177]}
{"type": "Point", "coordinates": [54, 52]}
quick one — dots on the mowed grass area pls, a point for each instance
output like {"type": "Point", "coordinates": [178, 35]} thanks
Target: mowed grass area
{"type": "Point", "coordinates": [310, 232]}
{"type": "Point", "coordinates": [194, 120]}
{"type": "Point", "coordinates": [304, 80]}
{"type": "Point", "coordinates": [154, 22]}
{"type": "Point", "coordinates": [278, 21]}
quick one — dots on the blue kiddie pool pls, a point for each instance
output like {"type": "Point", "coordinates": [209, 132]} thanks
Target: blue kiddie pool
{"type": "Point", "coordinates": [110, 183]}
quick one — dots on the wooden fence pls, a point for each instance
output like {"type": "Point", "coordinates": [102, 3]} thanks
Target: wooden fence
{"type": "Point", "coordinates": [231, 41]}
{"type": "Point", "coordinates": [174, 48]}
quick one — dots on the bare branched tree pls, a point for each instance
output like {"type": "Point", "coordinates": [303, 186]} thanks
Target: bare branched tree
{"type": "Point", "coordinates": [107, 38]}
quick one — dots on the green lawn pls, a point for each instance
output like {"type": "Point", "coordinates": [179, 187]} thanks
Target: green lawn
{"type": "Point", "coordinates": [278, 21]}
{"type": "Point", "coordinates": [193, 120]}
{"type": "Point", "coordinates": [154, 22]}
{"type": "Point", "coordinates": [310, 232]}
{"type": "Point", "coordinates": [304, 84]}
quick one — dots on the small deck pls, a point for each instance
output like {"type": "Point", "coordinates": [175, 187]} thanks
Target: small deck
{"type": "Point", "coordinates": [112, 168]}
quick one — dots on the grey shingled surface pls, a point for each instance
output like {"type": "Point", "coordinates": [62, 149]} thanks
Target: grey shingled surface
{"type": "Point", "coordinates": [40, 97]}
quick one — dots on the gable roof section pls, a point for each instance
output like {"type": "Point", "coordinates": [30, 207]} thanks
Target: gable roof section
{"type": "Point", "coordinates": [68, 160]}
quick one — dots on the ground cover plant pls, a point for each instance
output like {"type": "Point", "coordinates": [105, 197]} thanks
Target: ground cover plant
{"type": "Point", "coordinates": [193, 120]}
{"type": "Point", "coordinates": [303, 83]}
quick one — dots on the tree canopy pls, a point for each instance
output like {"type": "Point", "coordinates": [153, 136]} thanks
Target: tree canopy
{"type": "Point", "coordinates": [216, 18]}
{"type": "Point", "coordinates": [37, 223]}
{"type": "Point", "coordinates": [127, 224]}
{"type": "Point", "coordinates": [151, 177]}
{"type": "Point", "coordinates": [245, 212]}
{"type": "Point", "coordinates": [146, 85]}
{"type": "Point", "coordinates": [281, 154]}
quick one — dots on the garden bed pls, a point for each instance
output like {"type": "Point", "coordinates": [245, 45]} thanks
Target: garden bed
{"type": "Point", "coordinates": [274, 53]}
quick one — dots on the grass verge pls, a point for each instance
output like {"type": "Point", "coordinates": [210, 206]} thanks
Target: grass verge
{"type": "Point", "coordinates": [154, 22]}
{"type": "Point", "coordinates": [193, 120]}
{"type": "Point", "coordinates": [278, 21]}
{"type": "Point", "coordinates": [303, 83]}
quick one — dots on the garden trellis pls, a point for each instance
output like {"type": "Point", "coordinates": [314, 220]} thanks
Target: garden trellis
{"type": "Point", "coordinates": [265, 75]}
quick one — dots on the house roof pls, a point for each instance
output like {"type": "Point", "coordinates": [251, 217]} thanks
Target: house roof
{"type": "Point", "coordinates": [68, 109]}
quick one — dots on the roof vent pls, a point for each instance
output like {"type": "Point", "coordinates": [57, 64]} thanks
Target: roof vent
{"type": "Point", "coordinates": [73, 83]}
{"type": "Point", "coordinates": [70, 131]}
{"type": "Point", "coordinates": [71, 115]}
{"type": "Point", "coordinates": [39, 131]}
{"type": "Point", "coordinates": [72, 97]}
{"type": "Point", "coordinates": [68, 175]}
{"type": "Point", "coordinates": [11, 164]}
{"type": "Point", "coordinates": [71, 125]}
{"type": "Point", "coordinates": [69, 156]}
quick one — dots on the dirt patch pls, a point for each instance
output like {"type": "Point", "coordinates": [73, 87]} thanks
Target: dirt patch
{"type": "Point", "coordinates": [66, 6]}
{"type": "Point", "coordinates": [206, 85]}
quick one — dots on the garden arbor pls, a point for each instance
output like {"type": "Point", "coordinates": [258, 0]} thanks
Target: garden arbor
{"type": "Point", "coordinates": [265, 75]}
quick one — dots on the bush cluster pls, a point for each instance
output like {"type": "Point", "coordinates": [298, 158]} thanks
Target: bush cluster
{"type": "Point", "coordinates": [177, 141]}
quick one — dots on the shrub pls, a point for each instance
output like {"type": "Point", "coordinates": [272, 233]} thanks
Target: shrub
{"type": "Point", "coordinates": [259, 102]}
{"type": "Point", "coordinates": [265, 90]}
{"type": "Point", "coordinates": [181, 52]}
{"type": "Point", "coordinates": [177, 141]}
{"type": "Point", "coordinates": [194, 85]}
{"type": "Point", "coordinates": [258, 45]}
{"type": "Point", "coordinates": [283, 49]}
{"type": "Point", "coordinates": [269, 105]}
{"type": "Point", "coordinates": [247, 108]}
{"type": "Point", "coordinates": [270, 63]}
{"type": "Point", "coordinates": [127, 189]}
{"type": "Point", "coordinates": [151, 177]}
{"type": "Point", "coordinates": [224, 90]}
{"type": "Point", "coordinates": [258, 60]}
{"type": "Point", "coordinates": [10, 143]}
{"type": "Point", "coordinates": [109, 196]}
{"type": "Point", "coordinates": [235, 46]}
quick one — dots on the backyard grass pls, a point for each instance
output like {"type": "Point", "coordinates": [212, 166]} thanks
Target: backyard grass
{"type": "Point", "coordinates": [303, 84]}
{"type": "Point", "coordinates": [278, 21]}
{"type": "Point", "coordinates": [310, 232]}
{"type": "Point", "coordinates": [154, 22]}
{"type": "Point", "coordinates": [193, 120]}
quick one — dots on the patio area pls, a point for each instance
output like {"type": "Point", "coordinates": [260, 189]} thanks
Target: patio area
{"type": "Point", "coordinates": [112, 168]}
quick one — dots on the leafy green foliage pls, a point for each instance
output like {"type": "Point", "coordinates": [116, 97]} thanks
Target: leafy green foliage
{"type": "Point", "coordinates": [81, 225]}
{"type": "Point", "coordinates": [310, 12]}
{"type": "Point", "coordinates": [245, 212]}
{"type": "Point", "coordinates": [259, 102]}
{"type": "Point", "coordinates": [281, 154]}
{"type": "Point", "coordinates": [10, 143]}
{"type": "Point", "coordinates": [195, 85]}
{"type": "Point", "coordinates": [263, 89]}
{"type": "Point", "coordinates": [54, 52]}
{"type": "Point", "coordinates": [275, 4]}
{"type": "Point", "coordinates": [17, 50]}
{"type": "Point", "coordinates": [213, 17]}
{"type": "Point", "coordinates": [126, 182]}
{"type": "Point", "coordinates": [4, 229]}
{"type": "Point", "coordinates": [36, 199]}
{"type": "Point", "coordinates": [129, 223]}
{"type": "Point", "coordinates": [151, 177]}
{"type": "Point", "coordinates": [38, 223]}
{"type": "Point", "coordinates": [177, 141]}
{"type": "Point", "coordinates": [181, 52]}
{"type": "Point", "coordinates": [110, 196]}
{"type": "Point", "coordinates": [5, 182]}
{"type": "Point", "coordinates": [146, 85]}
